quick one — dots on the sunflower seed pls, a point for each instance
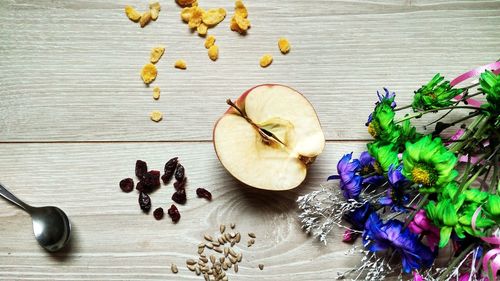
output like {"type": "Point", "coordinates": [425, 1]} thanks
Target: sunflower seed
{"type": "Point", "coordinates": [208, 237]}
{"type": "Point", "coordinates": [202, 245]}
{"type": "Point", "coordinates": [227, 237]}
{"type": "Point", "coordinates": [261, 266]}
{"type": "Point", "coordinates": [206, 277]}
{"type": "Point", "coordinates": [226, 251]}
{"type": "Point", "coordinates": [233, 225]}
{"type": "Point", "coordinates": [221, 240]}
{"type": "Point", "coordinates": [225, 278]}
{"type": "Point", "coordinates": [212, 259]}
{"type": "Point", "coordinates": [228, 263]}
{"type": "Point", "coordinates": [210, 245]}
{"type": "Point", "coordinates": [216, 243]}
{"type": "Point", "coordinates": [190, 267]}
{"type": "Point", "coordinates": [236, 268]}
{"type": "Point", "coordinates": [197, 270]}
{"type": "Point", "coordinates": [233, 243]}
{"type": "Point", "coordinates": [224, 266]}
{"type": "Point", "coordinates": [238, 237]}
{"type": "Point", "coordinates": [239, 257]}
{"type": "Point", "coordinates": [232, 252]}
{"type": "Point", "coordinates": [190, 261]}
{"type": "Point", "coordinates": [222, 228]}
{"type": "Point", "coordinates": [252, 235]}
{"type": "Point", "coordinates": [204, 259]}
{"type": "Point", "coordinates": [174, 268]}
{"type": "Point", "coordinates": [218, 250]}
{"type": "Point", "coordinates": [251, 242]}
{"type": "Point", "coordinates": [233, 259]}
{"type": "Point", "coordinates": [200, 250]}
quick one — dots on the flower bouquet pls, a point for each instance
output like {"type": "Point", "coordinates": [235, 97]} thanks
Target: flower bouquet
{"type": "Point", "coordinates": [414, 195]}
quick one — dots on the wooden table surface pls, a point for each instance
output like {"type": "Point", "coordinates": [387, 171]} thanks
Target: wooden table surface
{"type": "Point", "coordinates": [74, 117]}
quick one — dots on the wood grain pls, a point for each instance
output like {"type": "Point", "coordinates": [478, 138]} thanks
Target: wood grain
{"type": "Point", "coordinates": [113, 240]}
{"type": "Point", "coordinates": [70, 69]}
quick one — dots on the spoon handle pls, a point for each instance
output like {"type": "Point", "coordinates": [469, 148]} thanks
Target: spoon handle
{"type": "Point", "coordinates": [10, 197]}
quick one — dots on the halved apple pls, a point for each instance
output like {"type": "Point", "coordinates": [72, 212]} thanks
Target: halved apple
{"type": "Point", "coordinates": [269, 137]}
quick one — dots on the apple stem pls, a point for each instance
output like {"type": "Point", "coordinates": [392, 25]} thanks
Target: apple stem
{"type": "Point", "coordinates": [265, 134]}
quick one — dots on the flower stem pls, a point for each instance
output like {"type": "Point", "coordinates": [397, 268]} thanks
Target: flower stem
{"type": "Point", "coordinates": [418, 207]}
{"type": "Point", "coordinates": [402, 107]}
{"type": "Point", "coordinates": [420, 114]}
{"type": "Point", "coordinates": [455, 261]}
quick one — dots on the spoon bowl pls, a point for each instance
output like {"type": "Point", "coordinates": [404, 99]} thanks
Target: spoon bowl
{"type": "Point", "coordinates": [51, 226]}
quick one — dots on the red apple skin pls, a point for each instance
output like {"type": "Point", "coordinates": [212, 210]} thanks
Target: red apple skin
{"type": "Point", "coordinates": [240, 103]}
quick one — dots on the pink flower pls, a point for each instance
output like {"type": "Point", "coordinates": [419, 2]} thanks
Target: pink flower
{"type": "Point", "coordinates": [422, 225]}
{"type": "Point", "coordinates": [418, 277]}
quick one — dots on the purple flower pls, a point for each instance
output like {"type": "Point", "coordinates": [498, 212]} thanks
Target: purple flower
{"type": "Point", "coordinates": [367, 166]}
{"type": "Point", "coordinates": [379, 236]}
{"type": "Point", "coordinates": [350, 182]}
{"type": "Point", "coordinates": [423, 225]}
{"type": "Point", "coordinates": [357, 219]}
{"type": "Point", "coordinates": [396, 197]}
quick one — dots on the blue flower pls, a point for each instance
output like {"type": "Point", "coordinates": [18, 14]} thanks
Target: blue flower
{"type": "Point", "coordinates": [350, 182]}
{"type": "Point", "coordinates": [388, 97]}
{"type": "Point", "coordinates": [358, 216]}
{"type": "Point", "coordinates": [368, 165]}
{"type": "Point", "coordinates": [396, 197]}
{"type": "Point", "coordinates": [379, 236]}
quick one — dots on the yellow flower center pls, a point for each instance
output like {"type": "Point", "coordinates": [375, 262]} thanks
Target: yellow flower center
{"type": "Point", "coordinates": [377, 168]}
{"type": "Point", "coordinates": [423, 174]}
{"type": "Point", "coordinates": [372, 129]}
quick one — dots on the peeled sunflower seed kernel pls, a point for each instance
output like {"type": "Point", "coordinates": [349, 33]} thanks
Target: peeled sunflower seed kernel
{"type": "Point", "coordinates": [132, 14]}
{"type": "Point", "coordinates": [266, 60]}
{"type": "Point", "coordinates": [222, 228]}
{"type": "Point", "coordinates": [149, 73]}
{"type": "Point", "coordinates": [145, 18]}
{"type": "Point", "coordinates": [213, 52]}
{"type": "Point", "coordinates": [156, 116]}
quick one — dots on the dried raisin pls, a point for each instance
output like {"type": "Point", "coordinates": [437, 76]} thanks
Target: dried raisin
{"type": "Point", "coordinates": [144, 202]}
{"type": "Point", "coordinates": [203, 193]}
{"type": "Point", "coordinates": [141, 168]}
{"type": "Point", "coordinates": [140, 186]}
{"type": "Point", "coordinates": [158, 213]}
{"type": "Point", "coordinates": [180, 185]}
{"type": "Point", "coordinates": [179, 172]}
{"type": "Point", "coordinates": [127, 184]}
{"type": "Point", "coordinates": [173, 212]}
{"type": "Point", "coordinates": [179, 196]}
{"type": "Point", "coordinates": [169, 169]}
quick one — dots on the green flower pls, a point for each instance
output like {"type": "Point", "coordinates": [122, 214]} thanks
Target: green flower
{"type": "Point", "coordinates": [444, 214]}
{"type": "Point", "coordinates": [490, 85]}
{"type": "Point", "coordinates": [428, 163]}
{"type": "Point", "coordinates": [381, 124]}
{"type": "Point", "coordinates": [493, 205]}
{"type": "Point", "coordinates": [408, 133]}
{"type": "Point", "coordinates": [434, 95]}
{"type": "Point", "coordinates": [385, 155]}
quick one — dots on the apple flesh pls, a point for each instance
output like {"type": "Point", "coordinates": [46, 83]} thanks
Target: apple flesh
{"type": "Point", "coordinates": [268, 138]}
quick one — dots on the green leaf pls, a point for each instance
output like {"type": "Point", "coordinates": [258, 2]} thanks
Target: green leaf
{"type": "Point", "coordinates": [444, 235]}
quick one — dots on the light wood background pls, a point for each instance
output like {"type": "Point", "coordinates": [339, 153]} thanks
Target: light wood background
{"type": "Point", "coordinates": [74, 118]}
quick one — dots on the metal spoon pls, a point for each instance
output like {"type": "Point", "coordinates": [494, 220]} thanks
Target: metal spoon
{"type": "Point", "coordinates": [50, 224]}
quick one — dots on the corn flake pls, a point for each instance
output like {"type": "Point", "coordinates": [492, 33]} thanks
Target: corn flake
{"type": "Point", "coordinates": [202, 29]}
{"type": "Point", "coordinates": [148, 73]}
{"type": "Point", "coordinates": [132, 14]}
{"type": "Point", "coordinates": [284, 45]}
{"type": "Point", "coordinates": [156, 54]}
{"type": "Point", "coordinates": [242, 22]}
{"type": "Point", "coordinates": [156, 116]}
{"type": "Point", "coordinates": [213, 17]}
{"type": "Point", "coordinates": [155, 10]}
{"type": "Point", "coordinates": [156, 93]}
{"type": "Point", "coordinates": [266, 60]}
{"type": "Point", "coordinates": [213, 52]}
{"type": "Point", "coordinates": [186, 3]}
{"type": "Point", "coordinates": [209, 42]}
{"type": "Point", "coordinates": [186, 13]}
{"type": "Point", "coordinates": [181, 64]}
{"type": "Point", "coordinates": [240, 9]}
{"type": "Point", "coordinates": [145, 18]}
{"type": "Point", "coordinates": [196, 17]}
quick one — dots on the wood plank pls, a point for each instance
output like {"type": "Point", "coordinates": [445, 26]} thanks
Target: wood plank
{"type": "Point", "coordinates": [113, 240]}
{"type": "Point", "coordinates": [69, 69]}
